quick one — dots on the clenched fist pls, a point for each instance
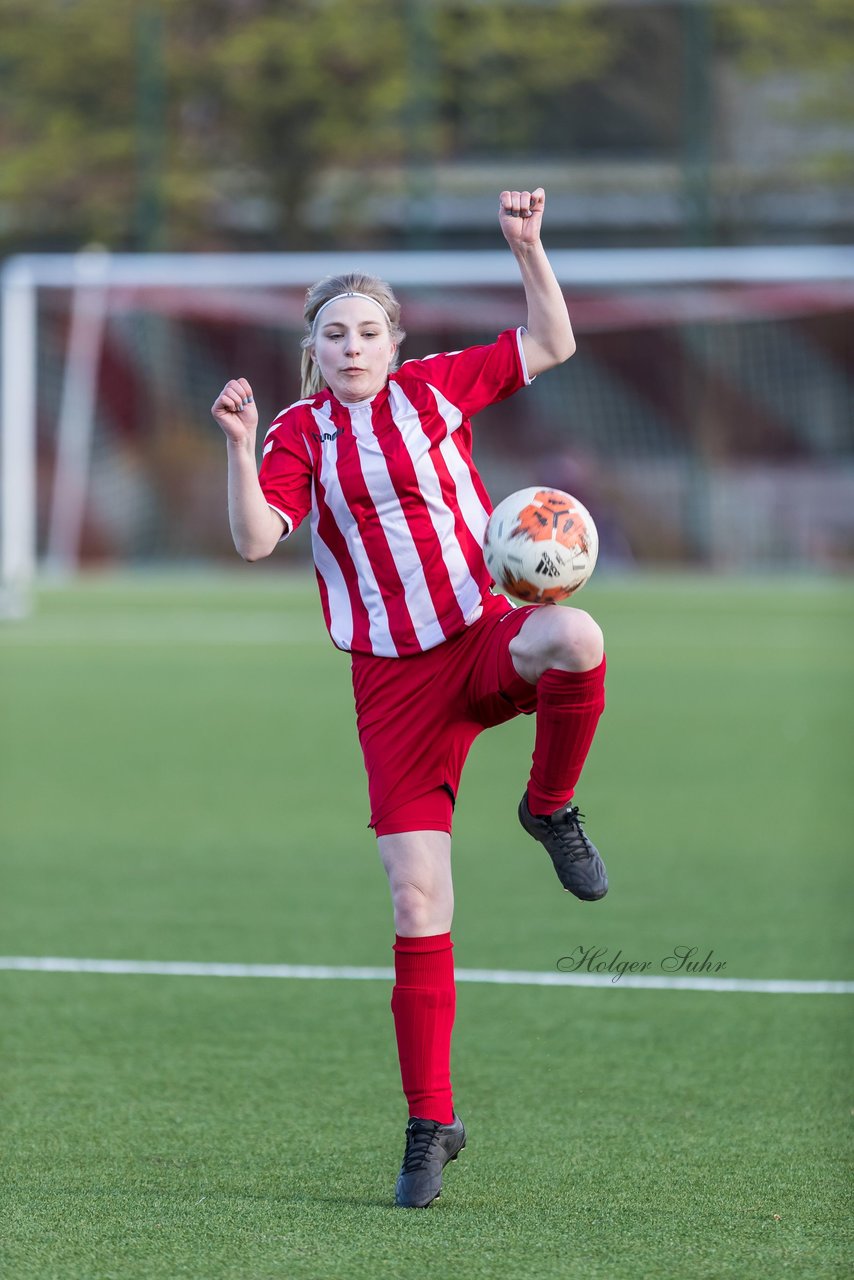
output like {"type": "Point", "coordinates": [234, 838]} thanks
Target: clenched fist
{"type": "Point", "coordinates": [520, 216]}
{"type": "Point", "coordinates": [236, 412]}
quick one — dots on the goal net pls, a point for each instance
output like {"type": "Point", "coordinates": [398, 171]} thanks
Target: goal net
{"type": "Point", "coordinates": [706, 419]}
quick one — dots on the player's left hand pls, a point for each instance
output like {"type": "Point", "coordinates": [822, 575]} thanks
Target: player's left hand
{"type": "Point", "coordinates": [520, 216]}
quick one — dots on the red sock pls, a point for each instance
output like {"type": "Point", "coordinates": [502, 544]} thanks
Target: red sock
{"type": "Point", "coordinates": [423, 1003]}
{"type": "Point", "coordinates": [569, 704]}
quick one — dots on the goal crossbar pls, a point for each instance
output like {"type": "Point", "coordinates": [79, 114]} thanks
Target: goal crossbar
{"type": "Point", "coordinates": [577, 267]}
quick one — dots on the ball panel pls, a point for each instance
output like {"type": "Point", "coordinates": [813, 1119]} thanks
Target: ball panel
{"type": "Point", "coordinates": [521, 589]}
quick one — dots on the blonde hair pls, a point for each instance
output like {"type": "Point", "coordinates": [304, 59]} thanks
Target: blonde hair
{"type": "Point", "coordinates": [324, 291]}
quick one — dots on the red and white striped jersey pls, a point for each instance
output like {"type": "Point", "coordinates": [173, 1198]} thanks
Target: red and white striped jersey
{"type": "Point", "coordinates": [397, 507]}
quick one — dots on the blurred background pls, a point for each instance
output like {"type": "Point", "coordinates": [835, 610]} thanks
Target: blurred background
{"type": "Point", "coordinates": [707, 418]}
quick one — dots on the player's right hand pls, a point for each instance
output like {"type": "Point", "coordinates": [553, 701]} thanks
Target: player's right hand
{"type": "Point", "coordinates": [235, 410]}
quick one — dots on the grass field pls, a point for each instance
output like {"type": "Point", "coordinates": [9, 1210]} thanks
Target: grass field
{"type": "Point", "coordinates": [181, 781]}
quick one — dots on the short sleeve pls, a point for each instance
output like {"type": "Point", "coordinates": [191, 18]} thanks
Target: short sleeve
{"type": "Point", "coordinates": [477, 377]}
{"type": "Point", "coordinates": [286, 472]}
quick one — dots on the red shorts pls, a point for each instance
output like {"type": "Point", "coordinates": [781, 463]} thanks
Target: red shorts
{"type": "Point", "coordinates": [418, 716]}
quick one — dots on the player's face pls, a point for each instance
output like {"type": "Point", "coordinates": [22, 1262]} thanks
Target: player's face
{"type": "Point", "coordinates": [353, 348]}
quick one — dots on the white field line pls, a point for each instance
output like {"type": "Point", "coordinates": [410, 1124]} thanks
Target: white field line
{"type": "Point", "coordinates": [501, 977]}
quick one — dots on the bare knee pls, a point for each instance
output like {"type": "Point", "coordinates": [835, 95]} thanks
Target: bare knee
{"type": "Point", "coordinates": [415, 909]}
{"type": "Point", "coordinates": [578, 644]}
{"type": "Point", "coordinates": [565, 639]}
{"type": "Point", "coordinates": [419, 877]}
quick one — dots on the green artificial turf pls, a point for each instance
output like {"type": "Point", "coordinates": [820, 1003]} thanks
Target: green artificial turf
{"type": "Point", "coordinates": [181, 781]}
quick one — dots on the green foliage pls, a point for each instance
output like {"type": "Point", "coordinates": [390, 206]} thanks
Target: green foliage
{"type": "Point", "coordinates": [66, 105]}
{"type": "Point", "coordinates": [304, 86]}
{"type": "Point", "coordinates": [815, 42]}
{"type": "Point", "coordinates": [504, 70]}
{"type": "Point", "coordinates": [810, 35]}
{"type": "Point", "coordinates": [208, 109]}
{"type": "Point", "coordinates": [201, 124]}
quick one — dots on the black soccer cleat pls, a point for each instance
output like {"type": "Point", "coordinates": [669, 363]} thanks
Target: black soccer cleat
{"type": "Point", "coordinates": [576, 859]}
{"type": "Point", "coordinates": [429, 1147]}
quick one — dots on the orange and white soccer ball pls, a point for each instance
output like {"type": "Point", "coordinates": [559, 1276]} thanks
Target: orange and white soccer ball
{"type": "Point", "coordinates": [540, 545]}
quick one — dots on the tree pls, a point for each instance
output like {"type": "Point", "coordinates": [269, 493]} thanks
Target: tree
{"type": "Point", "coordinates": [206, 114]}
{"type": "Point", "coordinates": [812, 40]}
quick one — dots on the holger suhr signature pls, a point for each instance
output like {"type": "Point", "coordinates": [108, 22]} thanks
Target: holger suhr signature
{"type": "Point", "coordinates": [681, 959]}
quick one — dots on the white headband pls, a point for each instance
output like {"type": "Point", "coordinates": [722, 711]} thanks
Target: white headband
{"type": "Point", "coordinates": [351, 294]}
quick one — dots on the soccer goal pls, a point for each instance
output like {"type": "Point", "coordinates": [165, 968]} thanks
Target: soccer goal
{"type": "Point", "coordinates": [710, 390]}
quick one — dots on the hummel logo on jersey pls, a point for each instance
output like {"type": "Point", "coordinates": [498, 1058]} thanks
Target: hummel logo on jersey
{"type": "Point", "coordinates": [324, 436]}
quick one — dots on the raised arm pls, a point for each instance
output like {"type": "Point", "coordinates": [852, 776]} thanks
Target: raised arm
{"type": "Point", "coordinates": [549, 340]}
{"type": "Point", "coordinates": [256, 529]}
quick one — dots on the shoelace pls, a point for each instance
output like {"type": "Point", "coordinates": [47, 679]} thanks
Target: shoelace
{"type": "Point", "coordinates": [418, 1143]}
{"type": "Point", "coordinates": [568, 829]}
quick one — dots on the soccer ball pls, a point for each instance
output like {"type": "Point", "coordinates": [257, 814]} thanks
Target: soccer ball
{"type": "Point", "coordinates": [540, 545]}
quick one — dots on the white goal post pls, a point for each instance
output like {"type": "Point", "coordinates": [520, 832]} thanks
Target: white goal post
{"type": "Point", "coordinates": [90, 275]}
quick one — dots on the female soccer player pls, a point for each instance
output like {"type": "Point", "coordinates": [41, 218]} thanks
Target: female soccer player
{"type": "Point", "coordinates": [380, 457]}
